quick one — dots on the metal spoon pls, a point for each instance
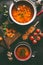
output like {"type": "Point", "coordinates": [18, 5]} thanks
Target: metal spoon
{"type": "Point", "coordinates": [15, 3]}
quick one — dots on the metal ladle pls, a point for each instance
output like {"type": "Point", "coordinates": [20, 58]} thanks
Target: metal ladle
{"type": "Point", "coordinates": [15, 4]}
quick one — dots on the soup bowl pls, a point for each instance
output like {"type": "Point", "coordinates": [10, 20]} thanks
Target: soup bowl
{"type": "Point", "coordinates": [29, 4]}
{"type": "Point", "coordinates": [22, 51]}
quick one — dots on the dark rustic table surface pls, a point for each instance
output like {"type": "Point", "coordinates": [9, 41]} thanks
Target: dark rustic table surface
{"type": "Point", "coordinates": [38, 59]}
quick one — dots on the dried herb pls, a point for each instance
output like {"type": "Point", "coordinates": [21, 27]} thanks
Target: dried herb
{"type": "Point", "coordinates": [22, 52]}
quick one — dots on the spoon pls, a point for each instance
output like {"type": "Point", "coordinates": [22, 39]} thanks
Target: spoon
{"type": "Point", "coordinates": [15, 4]}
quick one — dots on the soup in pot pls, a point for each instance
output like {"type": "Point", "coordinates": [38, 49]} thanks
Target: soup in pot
{"type": "Point", "coordinates": [22, 52]}
{"type": "Point", "coordinates": [22, 14]}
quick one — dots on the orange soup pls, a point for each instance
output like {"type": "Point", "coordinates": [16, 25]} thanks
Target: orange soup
{"type": "Point", "coordinates": [22, 14]}
{"type": "Point", "coordinates": [22, 52]}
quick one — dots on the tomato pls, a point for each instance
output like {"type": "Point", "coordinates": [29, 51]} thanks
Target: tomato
{"type": "Point", "coordinates": [37, 30]}
{"type": "Point", "coordinates": [35, 34]}
{"type": "Point", "coordinates": [41, 34]}
{"type": "Point", "coordinates": [34, 41]}
{"type": "Point", "coordinates": [31, 38]}
{"type": "Point", "coordinates": [38, 38]}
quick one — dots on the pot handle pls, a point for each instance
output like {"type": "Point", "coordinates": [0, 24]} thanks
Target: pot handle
{"type": "Point", "coordinates": [40, 12]}
{"type": "Point", "coordinates": [38, 2]}
{"type": "Point", "coordinates": [34, 54]}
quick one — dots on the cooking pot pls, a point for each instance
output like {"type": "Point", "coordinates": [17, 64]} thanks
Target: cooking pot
{"type": "Point", "coordinates": [30, 3]}
{"type": "Point", "coordinates": [18, 46]}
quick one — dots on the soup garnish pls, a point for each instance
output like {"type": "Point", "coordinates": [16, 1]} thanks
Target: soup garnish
{"type": "Point", "coordinates": [22, 52]}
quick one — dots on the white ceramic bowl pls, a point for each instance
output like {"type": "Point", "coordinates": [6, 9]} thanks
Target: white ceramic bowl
{"type": "Point", "coordinates": [34, 15]}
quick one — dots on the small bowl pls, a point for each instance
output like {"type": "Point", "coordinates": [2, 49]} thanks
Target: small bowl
{"type": "Point", "coordinates": [17, 50]}
{"type": "Point", "coordinates": [20, 2]}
